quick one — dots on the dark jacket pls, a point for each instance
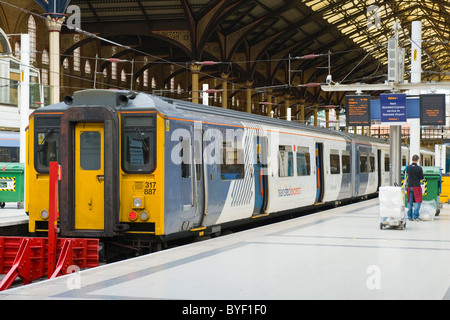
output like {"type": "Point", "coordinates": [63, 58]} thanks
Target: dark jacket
{"type": "Point", "coordinates": [415, 174]}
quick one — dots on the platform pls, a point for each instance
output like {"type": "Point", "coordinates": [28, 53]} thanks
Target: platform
{"type": "Point", "coordinates": [339, 253]}
{"type": "Point", "coordinates": [12, 220]}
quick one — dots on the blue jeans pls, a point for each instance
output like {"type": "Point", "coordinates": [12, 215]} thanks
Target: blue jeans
{"type": "Point", "coordinates": [413, 214]}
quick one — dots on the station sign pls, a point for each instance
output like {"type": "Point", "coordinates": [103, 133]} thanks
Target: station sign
{"type": "Point", "coordinates": [393, 109]}
{"type": "Point", "coordinates": [432, 109]}
{"type": "Point", "coordinates": [357, 110]}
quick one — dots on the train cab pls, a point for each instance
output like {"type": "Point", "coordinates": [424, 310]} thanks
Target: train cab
{"type": "Point", "coordinates": [106, 143]}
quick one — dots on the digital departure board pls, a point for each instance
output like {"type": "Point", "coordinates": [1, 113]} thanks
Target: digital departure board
{"type": "Point", "coordinates": [393, 109]}
{"type": "Point", "coordinates": [432, 109]}
{"type": "Point", "coordinates": [357, 110]}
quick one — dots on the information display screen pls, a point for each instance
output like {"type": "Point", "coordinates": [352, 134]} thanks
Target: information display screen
{"type": "Point", "coordinates": [393, 109]}
{"type": "Point", "coordinates": [432, 109]}
{"type": "Point", "coordinates": [357, 110]}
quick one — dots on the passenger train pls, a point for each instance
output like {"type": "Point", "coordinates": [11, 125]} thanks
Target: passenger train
{"type": "Point", "coordinates": [9, 146]}
{"type": "Point", "coordinates": [145, 169]}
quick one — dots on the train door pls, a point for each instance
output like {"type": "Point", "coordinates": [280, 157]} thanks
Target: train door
{"type": "Point", "coordinates": [191, 185]}
{"type": "Point", "coordinates": [199, 178]}
{"type": "Point", "coordinates": [260, 175]}
{"type": "Point", "coordinates": [89, 176]}
{"type": "Point", "coordinates": [320, 181]}
{"type": "Point", "coordinates": [187, 180]}
{"type": "Point", "coordinates": [380, 173]}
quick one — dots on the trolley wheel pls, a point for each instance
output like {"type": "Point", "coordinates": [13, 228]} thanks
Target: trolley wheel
{"type": "Point", "coordinates": [2, 204]}
{"type": "Point", "coordinates": [437, 212]}
{"type": "Point", "coordinates": [402, 226]}
{"type": "Point", "coordinates": [381, 226]}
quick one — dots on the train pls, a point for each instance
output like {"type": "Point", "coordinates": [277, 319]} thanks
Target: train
{"type": "Point", "coordinates": [139, 170]}
{"type": "Point", "coordinates": [9, 146]}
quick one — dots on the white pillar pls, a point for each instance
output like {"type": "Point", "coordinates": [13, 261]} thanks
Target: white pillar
{"type": "Point", "coordinates": [205, 95]}
{"type": "Point", "coordinates": [395, 155]}
{"type": "Point", "coordinates": [24, 104]}
{"type": "Point", "coordinates": [416, 77]}
{"type": "Point", "coordinates": [288, 114]}
{"type": "Point", "coordinates": [54, 28]}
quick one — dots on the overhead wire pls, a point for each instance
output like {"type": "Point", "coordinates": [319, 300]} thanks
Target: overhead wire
{"type": "Point", "coordinates": [158, 59]}
{"type": "Point", "coordinates": [184, 65]}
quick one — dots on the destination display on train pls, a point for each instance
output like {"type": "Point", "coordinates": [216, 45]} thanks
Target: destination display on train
{"type": "Point", "coordinates": [432, 109]}
{"type": "Point", "coordinates": [357, 110]}
{"type": "Point", "coordinates": [393, 109]}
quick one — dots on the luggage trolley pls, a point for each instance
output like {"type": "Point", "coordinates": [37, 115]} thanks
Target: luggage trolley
{"type": "Point", "coordinates": [392, 207]}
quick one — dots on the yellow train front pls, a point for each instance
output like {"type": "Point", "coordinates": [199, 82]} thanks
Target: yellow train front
{"type": "Point", "coordinates": [112, 175]}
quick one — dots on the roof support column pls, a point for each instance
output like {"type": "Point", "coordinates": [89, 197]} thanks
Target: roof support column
{"type": "Point", "coordinates": [338, 124]}
{"type": "Point", "coordinates": [54, 24]}
{"type": "Point", "coordinates": [225, 90]}
{"type": "Point", "coordinates": [302, 111]}
{"type": "Point", "coordinates": [287, 106]}
{"type": "Point", "coordinates": [316, 110]}
{"type": "Point", "coordinates": [248, 106]}
{"type": "Point", "coordinates": [269, 102]}
{"type": "Point", "coordinates": [195, 69]}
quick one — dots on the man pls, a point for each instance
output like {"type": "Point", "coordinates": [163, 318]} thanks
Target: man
{"type": "Point", "coordinates": [415, 174]}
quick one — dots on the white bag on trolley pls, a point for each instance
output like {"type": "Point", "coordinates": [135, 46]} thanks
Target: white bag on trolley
{"type": "Point", "coordinates": [392, 202]}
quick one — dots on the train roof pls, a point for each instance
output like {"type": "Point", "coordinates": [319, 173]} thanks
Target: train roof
{"type": "Point", "coordinates": [123, 100]}
{"type": "Point", "coordinates": [9, 139]}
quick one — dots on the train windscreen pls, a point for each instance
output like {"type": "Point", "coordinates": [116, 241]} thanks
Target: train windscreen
{"type": "Point", "coordinates": [139, 144]}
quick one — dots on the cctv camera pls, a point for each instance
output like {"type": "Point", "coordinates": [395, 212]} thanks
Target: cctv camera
{"type": "Point", "coordinates": [328, 80]}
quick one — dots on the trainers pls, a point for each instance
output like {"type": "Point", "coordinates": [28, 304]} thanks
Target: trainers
{"type": "Point", "coordinates": [417, 219]}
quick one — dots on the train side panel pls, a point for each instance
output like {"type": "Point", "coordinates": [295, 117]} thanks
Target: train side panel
{"type": "Point", "coordinates": [290, 170]}
{"type": "Point", "coordinates": [244, 153]}
{"type": "Point", "coordinates": [333, 151]}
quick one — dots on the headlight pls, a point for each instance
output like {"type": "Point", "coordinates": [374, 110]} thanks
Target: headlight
{"type": "Point", "coordinates": [143, 215]}
{"type": "Point", "coordinates": [137, 202]}
{"type": "Point", "coordinates": [44, 214]}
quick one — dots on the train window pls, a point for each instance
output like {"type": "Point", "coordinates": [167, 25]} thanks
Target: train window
{"type": "Point", "coordinates": [90, 150]}
{"type": "Point", "coordinates": [4, 155]}
{"type": "Point", "coordinates": [303, 161]}
{"type": "Point", "coordinates": [285, 161]}
{"type": "Point", "coordinates": [345, 162]}
{"type": "Point", "coordinates": [386, 163]}
{"type": "Point", "coordinates": [372, 163]}
{"type": "Point", "coordinates": [46, 142]}
{"type": "Point", "coordinates": [138, 144]}
{"type": "Point", "coordinates": [334, 162]}
{"type": "Point", "coordinates": [47, 149]}
{"type": "Point", "coordinates": [362, 162]}
{"type": "Point", "coordinates": [233, 161]}
{"type": "Point", "coordinates": [197, 160]}
{"type": "Point", "coordinates": [184, 154]}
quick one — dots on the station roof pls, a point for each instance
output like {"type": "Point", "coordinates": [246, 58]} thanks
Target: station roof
{"type": "Point", "coordinates": [350, 36]}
